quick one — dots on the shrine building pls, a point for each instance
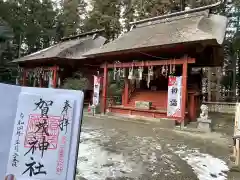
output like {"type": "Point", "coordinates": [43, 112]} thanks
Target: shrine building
{"type": "Point", "coordinates": [48, 68]}
{"type": "Point", "coordinates": [157, 51]}
{"type": "Point", "coordinates": [160, 61]}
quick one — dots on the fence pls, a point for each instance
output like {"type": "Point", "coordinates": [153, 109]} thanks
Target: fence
{"type": "Point", "coordinates": [221, 107]}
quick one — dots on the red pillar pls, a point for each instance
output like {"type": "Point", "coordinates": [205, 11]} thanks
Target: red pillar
{"type": "Point", "coordinates": [55, 69]}
{"type": "Point", "coordinates": [126, 89]}
{"type": "Point", "coordinates": [123, 98]}
{"type": "Point", "coordinates": [184, 88]}
{"type": "Point", "coordinates": [104, 93]}
{"type": "Point", "coordinates": [192, 107]}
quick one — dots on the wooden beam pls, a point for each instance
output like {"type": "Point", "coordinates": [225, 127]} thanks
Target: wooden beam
{"type": "Point", "coordinates": [55, 71]}
{"type": "Point", "coordinates": [104, 93]}
{"type": "Point", "coordinates": [126, 89]}
{"type": "Point", "coordinates": [184, 89]}
{"type": "Point", "coordinates": [150, 63]}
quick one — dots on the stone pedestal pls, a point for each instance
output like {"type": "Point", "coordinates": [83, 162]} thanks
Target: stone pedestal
{"type": "Point", "coordinates": [95, 110]}
{"type": "Point", "coordinates": [204, 124]}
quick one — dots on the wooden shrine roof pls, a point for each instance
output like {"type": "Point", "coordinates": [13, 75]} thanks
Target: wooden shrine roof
{"type": "Point", "coordinates": [189, 26]}
{"type": "Point", "coordinates": [69, 48]}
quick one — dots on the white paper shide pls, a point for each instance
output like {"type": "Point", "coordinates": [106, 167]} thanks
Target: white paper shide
{"type": "Point", "coordinates": [41, 137]}
{"type": "Point", "coordinates": [174, 96]}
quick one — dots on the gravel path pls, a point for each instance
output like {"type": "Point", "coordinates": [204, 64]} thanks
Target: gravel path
{"type": "Point", "coordinates": [112, 149]}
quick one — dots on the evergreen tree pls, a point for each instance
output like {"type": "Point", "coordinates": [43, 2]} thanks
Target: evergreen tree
{"type": "Point", "coordinates": [32, 22]}
{"type": "Point", "coordinates": [12, 14]}
{"type": "Point", "coordinates": [82, 12]}
{"type": "Point", "coordinates": [71, 17]}
{"type": "Point", "coordinates": [105, 14]}
{"type": "Point", "coordinates": [128, 14]}
{"type": "Point", "coordinates": [5, 35]}
{"type": "Point", "coordinates": [48, 24]}
{"type": "Point", "coordinates": [140, 9]}
{"type": "Point", "coordinates": [230, 80]}
{"type": "Point", "coordinates": [32, 27]}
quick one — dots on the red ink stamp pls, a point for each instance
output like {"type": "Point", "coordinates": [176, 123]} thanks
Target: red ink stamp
{"type": "Point", "coordinates": [34, 131]}
{"type": "Point", "coordinates": [60, 162]}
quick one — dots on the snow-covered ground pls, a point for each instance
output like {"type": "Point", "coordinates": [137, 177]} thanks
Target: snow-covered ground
{"type": "Point", "coordinates": [96, 162]}
{"type": "Point", "coordinates": [205, 166]}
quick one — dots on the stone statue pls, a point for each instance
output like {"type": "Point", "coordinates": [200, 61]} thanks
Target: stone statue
{"type": "Point", "coordinates": [204, 113]}
{"type": "Point", "coordinates": [204, 123]}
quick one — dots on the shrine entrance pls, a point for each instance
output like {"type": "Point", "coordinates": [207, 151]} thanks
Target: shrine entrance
{"type": "Point", "coordinates": [52, 66]}
{"type": "Point", "coordinates": [146, 88]}
{"type": "Point", "coordinates": [153, 78]}
{"type": "Point", "coordinates": [152, 49]}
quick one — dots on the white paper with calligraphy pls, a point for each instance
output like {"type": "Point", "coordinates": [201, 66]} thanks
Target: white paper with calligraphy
{"type": "Point", "coordinates": [10, 96]}
{"type": "Point", "coordinates": [237, 120]}
{"type": "Point", "coordinates": [41, 137]}
{"type": "Point", "coordinates": [96, 90]}
{"type": "Point", "coordinates": [174, 96]}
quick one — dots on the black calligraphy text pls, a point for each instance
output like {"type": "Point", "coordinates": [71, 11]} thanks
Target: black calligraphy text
{"type": "Point", "coordinates": [173, 102]}
{"type": "Point", "coordinates": [39, 140]}
{"type": "Point", "coordinates": [174, 90]}
{"type": "Point", "coordinates": [34, 168]}
{"type": "Point", "coordinates": [64, 122]}
{"type": "Point", "coordinates": [19, 133]}
{"type": "Point", "coordinates": [44, 107]}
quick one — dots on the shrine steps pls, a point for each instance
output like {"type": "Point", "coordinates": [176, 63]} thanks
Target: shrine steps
{"type": "Point", "coordinates": [157, 98]}
{"type": "Point", "coordinates": [132, 111]}
{"type": "Point", "coordinates": [157, 110]}
{"type": "Point", "coordinates": [127, 110]}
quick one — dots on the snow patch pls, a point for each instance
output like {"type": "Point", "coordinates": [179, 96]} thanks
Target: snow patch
{"type": "Point", "coordinates": [205, 166]}
{"type": "Point", "coordinates": [94, 162]}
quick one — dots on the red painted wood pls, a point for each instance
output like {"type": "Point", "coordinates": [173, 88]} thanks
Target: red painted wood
{"type": "Point", "coordinates": [104, 94]}
{"type": "Point", "coordinates": [55, 69]}
{"type": "Point", "coordinates": [158, 98]}
{"type": "Point", "coordinates": [184, 88]}
{"type": "Point", "coordinates": [126, 91]}
{"type": "Point", "coordinates": [192, 107]}
{"type": "Point", "coordinates": [123, 99]}
{"type": "Point", "coordinates": [151, 63]}
{"type": "Point", "coordinates": [137, 112]}
{"type": "Point", "coordinates": [159, 101]}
